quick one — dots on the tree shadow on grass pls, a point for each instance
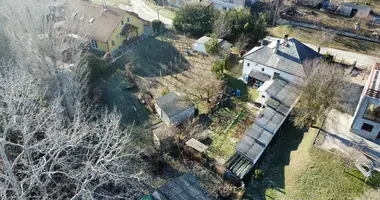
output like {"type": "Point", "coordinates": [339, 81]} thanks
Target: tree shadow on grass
{"type": "Point", "coordinates": [155, 58]}
{"type": "Point", "coordinates": [274, 160]}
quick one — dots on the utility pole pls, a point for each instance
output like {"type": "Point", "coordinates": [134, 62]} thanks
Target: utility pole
{"type": "Point", "coordinates": [158, 11]}
{"type": "Point", "coordinates": [275, 13]}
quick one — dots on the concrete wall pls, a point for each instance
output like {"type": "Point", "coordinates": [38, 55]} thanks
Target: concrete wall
{"type": "Point", "coordinates": [181, 117]}
{"type": "Point", "coordinates": [263, 97]}
{"type": "Point", "coordinates": [359, 120]}
{"type": "Point", "coordinates": [268, 70]}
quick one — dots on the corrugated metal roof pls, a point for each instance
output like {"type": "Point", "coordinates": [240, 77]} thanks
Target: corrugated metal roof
{"type": "Point", "coordinates": [185, 187]}
{"type": "Point", "coordinates": [278, 107]}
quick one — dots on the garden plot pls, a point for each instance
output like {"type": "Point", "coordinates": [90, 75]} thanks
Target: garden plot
{"type": "Point", "coordinates": [161, 64]}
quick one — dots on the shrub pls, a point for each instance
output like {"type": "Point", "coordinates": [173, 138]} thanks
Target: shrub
{"type": "Point", "coordinates": [156, 25]}
{"type": "Point", "coordinates": [258, 174]}
{"type": "Point", "coordinates": [212, 45]}
{"type": "Point", "coordinates": [194, 19]}
{"type": "Point", "coordinates": [165, 92]}
{"type": "Point", "coordinates": [97, 66]}
{"type": "Point", "coordinates": [219, 67]}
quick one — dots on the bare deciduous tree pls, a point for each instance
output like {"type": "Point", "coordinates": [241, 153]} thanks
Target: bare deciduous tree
{"type": "Point", "coordinates": [54, 144]}
{"type": "Point", "coordinates": [327, 87]}
{"type": "Point", "coordinates": [323, 38]}
{"type": "Point", "coordinates": [206, 88]}
{"type": "Point", "coordinates": [222, 26]}
{"type": "Point", "coordinates": [242, 42]}
{"type": "Point", "coordinates": [45, 155]}
{"type": "Point", "coordinates": [46, 38]}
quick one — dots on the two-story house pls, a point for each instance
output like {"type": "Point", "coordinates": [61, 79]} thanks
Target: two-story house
{"type": "Point", "coordinates": [285, 58]}
{"type": "Point", "coordinates": [366, 121]}
{"type": "Point", "coordinates": [109, 27]}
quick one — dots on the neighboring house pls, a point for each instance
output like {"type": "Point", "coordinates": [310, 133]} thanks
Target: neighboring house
{"type": "Point", "coordinates": [285, 58]}
{"type": "Point", "coordinates": [366, 121]}
{"type": "Point", "coordinates": [351, 9]}
{"type": "Point", "coordinates": [185, 187]}
{"type": "Point", "coordinates": [109, 27]}
{"type": "Point", "coordinates": [280, 96]}
{"type": "Point", "coordinates": [228, 4]}
{"type": "Point", "coordinates": [199, 45]}
{"type": "Point", "coordinates": [173, 109]}
{"type": "Point", "coordinates": [180, 3]}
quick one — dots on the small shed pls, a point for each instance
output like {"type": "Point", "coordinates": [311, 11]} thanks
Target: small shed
{"type": "Point", "coordinates": [199, 45]}
{"type": "Point", "coordinates": [351, 9]}
{"type": "Point", "coordinates": [173, 109]}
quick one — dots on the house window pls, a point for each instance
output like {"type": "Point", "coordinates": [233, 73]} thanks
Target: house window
{"type": "Point", "coordinates": [262, 69]}
{"type": "Point", "coordinates": [248, 64]}
{"type": "Point", "coordinates": [367, 127]}
{"type": "Point", "coordinates": [94, 44]}
{"type": "Point", "coordinates": [128, 20]}
{"type": "Point", "coordinates": [118, 36]}
{"type": "Point", "coordinates": [113, 43]}
{"type": "Point", "coordinates": [263, 96]}
{"type": "Point", "coordinates": [122, 22]}
{"type": "Point", "coordinates": [276, 75]}
{"type": "Point", "coordinates": [372, 113]}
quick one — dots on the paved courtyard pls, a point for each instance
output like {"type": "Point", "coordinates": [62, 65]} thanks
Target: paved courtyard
{"type": "Point", "coordinates": [339, 138]}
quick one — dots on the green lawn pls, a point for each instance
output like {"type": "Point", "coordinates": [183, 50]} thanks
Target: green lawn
{"type": "Point", "coordinates": [294, 169]}
{"type": "Point", "coordinates": [339, 42]}
{"type": "Point", "coordinates": [247, 93]}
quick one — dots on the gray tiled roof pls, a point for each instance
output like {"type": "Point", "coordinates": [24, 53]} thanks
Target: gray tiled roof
{"type": "Point", "coordinates": [290, 57]}
{"type": "Point", "coordinates": [172, 104]}
{"type": "Point", "coordinates": [185, 187]}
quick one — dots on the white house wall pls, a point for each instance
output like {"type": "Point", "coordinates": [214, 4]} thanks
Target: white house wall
{"type": "Point", "coordinates": [359, 120]}
{"type": "Point", "coordinates": [221, 4]}
{"type": "Point", "coordinates": [199, 47]}
{"type": "Point", "coordinates": [268, 71]}
{"type": "Point", "coordinates": [263, 97]}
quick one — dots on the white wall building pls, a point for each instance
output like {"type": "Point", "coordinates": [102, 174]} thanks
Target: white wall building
{"type": "Point", "coordinates": [199, 45]}
{"type": "Point", "coordinates": [366, 121]}
{"type": "Point", "coordinates": [173, 110]}
{"type": "Point", "coordinates": [228, 4]}
{"type": "Point", "coordinates": [285, 58]}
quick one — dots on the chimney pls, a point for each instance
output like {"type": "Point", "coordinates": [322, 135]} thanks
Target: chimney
{"type": "Point", "coordinates": [277, 46]}
{"type": "Point", "coordinates": [104, 7]}
{"type": "Point", "coordinates": [286, 38]}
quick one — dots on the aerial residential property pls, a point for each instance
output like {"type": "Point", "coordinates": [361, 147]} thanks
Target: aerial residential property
{"type": "Point", "coordinates": [366, 121]}
{"type": "Point", "coordinates": [190, 99]}
{"type": "Point", "coordinates": [110, 28]}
